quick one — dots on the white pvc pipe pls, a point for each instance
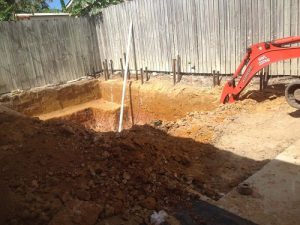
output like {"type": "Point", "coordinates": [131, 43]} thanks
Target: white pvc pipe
{"type": "Point", "coordinates": [125, 77]}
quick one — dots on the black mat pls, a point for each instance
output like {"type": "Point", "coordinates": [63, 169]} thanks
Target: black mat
{"type": "Point", "coordinates": [203, 213]}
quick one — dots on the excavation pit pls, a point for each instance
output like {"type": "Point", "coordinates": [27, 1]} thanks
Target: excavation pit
{"type": "Point", "coordinates": [98, 115]}
{"type": "Point", "coordinates": [151, 165]}
{"type": "Point", "coordinates": [96, 104]}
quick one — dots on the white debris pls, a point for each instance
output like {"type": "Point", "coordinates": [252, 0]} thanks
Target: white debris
{"type": "Point", "coordinates": [158, 218]}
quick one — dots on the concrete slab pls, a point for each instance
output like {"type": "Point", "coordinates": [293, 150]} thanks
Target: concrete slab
{"type": "Point", "coordinates": [276, 196]}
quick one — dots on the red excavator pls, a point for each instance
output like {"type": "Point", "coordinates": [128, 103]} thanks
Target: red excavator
{"type": "Point", "coordinates": [258, 57]}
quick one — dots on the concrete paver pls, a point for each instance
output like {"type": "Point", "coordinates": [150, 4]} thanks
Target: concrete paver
{"type": "Point", "coordinates": [276, 196]}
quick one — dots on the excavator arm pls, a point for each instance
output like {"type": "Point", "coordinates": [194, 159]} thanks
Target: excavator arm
{"type": "Point", "coordinates": [259, 56]}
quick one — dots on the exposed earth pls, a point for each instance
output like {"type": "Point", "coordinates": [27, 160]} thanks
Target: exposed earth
{"type": "Point", "coordinates": [60, 172]}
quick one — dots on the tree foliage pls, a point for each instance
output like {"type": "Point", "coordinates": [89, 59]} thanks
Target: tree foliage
{"type": "Point", "coordinates": [9, 7]}
{"type": "Point", "coordinates": [5, 10]}
{"type": "Point", "coordinates": [63, 5]}
{"type": "Point", "coordinates": [78, 8]}
{"type": "Point", "coordinates": [90, 7]}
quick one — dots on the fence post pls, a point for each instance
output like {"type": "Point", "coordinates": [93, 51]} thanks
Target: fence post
{"type": "Point", "coordinates": [111, 67]}
{"type": "Point", "coordinates": [146, 73]}
{"type": "Point", "coordinates": [179, 76]}
{"type": "Point", "coordinates": [214, 78]}
{"type": "Point", "coordinates": [104, 70]}
{"type": "Point", "coordinates": [266, 76]}
{"type": "Point", "coordinates": [142, 76]}
{"type": "Point", "coordinates": [174, 71]}
{"type": "Point", "coordinates": [261, 81]}
{"type": "Point", "coordinates": [218, 78]}
{"type": "Point", "coordinates": [122, 68]}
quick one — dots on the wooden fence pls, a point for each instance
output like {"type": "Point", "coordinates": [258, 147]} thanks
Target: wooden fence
{"type": "Point", "coordinates": [207, 34]}
{"type": "Point", "coordinates": [36, 53]}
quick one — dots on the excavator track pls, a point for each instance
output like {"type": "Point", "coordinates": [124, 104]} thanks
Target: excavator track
{"type": "Point", "coordinates": [292, 94]}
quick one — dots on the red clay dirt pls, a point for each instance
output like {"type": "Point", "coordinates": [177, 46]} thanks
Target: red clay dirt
{"type": "Point", "coordinates": [99, 115]}
{"type": "Point", "coordinates": [157, 99]}
{"type": "Point", "coordinates": [60, 172]}
{"type": "Point", "coordinates": [54, 172]}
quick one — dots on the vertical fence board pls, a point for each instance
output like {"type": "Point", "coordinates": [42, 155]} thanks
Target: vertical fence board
{"type": "Point", "coordinates": [287, 32]}
{"type": "Point", "coordinates": [207, 34]}
{"type": "Point", "coordinates": [36, 53]}
{"type": "Point", "coordinates": [298, 32]}
{"type": "Point", "coordinates": [293, 32]}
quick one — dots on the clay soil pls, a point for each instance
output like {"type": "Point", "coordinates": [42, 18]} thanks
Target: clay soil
{"type": "Point", "coordinates": [51, 170]}
{"type": "Point", "coordinates": [57, 172]}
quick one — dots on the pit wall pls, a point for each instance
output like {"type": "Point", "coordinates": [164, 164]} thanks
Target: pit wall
{"type": "Point", "coordinates": [48, 99]}
{"type": "Point", "coordinates": [159, 99]}
{"type": "Point", "coordinates": [99, 119]}
{"type": "Point", "coordinates": [156, 99]}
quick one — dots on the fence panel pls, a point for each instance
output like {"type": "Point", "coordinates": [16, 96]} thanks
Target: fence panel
{"type": "Point", "coordinates": [207, 34]}
{"type": "Point", "coordinates": [40, 52]}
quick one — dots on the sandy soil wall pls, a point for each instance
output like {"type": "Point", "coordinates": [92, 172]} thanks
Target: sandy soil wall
{"type": "Point", "coordinates": [99, 119]}
{"type": "Point", "coordinates": [159, 100]}
{"type": "Point", "coordinates": [48, 99]}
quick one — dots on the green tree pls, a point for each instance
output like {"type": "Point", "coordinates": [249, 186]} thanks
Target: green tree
{"type": "Point", "coordinates": [6, 10]}
{"type": "Point", "coordinates": [63, 5]}
{"type": "Point", "coordinates": [31, 6]}
{"type": "Point", "coordinates": [9, 7]}
{"type": "Point", "coordinates": [90, 7]}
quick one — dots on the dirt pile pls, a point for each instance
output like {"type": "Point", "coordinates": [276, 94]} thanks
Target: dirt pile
{"type": "Point", "coordinates": [61, 173]}
{"type": "Point", "coordinates": [58, 173]}
{"type": "Point", "coordinates": [203, 126]}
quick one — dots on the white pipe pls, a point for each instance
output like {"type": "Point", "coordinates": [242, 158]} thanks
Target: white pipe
{"type": "Point", "coordinates": [125, 77]}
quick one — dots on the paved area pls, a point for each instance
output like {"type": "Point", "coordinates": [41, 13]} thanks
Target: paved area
{"type": "Point", "coordinates": [276, 196]}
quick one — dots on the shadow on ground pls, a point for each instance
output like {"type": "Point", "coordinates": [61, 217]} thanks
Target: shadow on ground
{"type": "Point", "coordinates": [203, 213]}
{"type": "Point", "coordinates": [278, 181]}
{"type": "Point", "coordinates": [271, 92]}
{"type": "Point", "coordinates": [295, 114]}
{"type": "Point", "coordinates": [50, 168]}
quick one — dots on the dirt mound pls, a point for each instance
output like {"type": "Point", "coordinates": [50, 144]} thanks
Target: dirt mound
{"type": "Point", "coordinates": [51, 170]}
{"type": "Point", "coordinates": [62, 173]}
{"type": "Point", "coordinates": [203, 126]}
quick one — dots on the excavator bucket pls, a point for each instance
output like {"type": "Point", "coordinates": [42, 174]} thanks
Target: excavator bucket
{"type": "Point", "coordinates": [227, 93]}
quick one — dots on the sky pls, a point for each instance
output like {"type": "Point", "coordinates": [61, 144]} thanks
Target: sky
{"type": "Point", "coordinates": [55, 4]}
